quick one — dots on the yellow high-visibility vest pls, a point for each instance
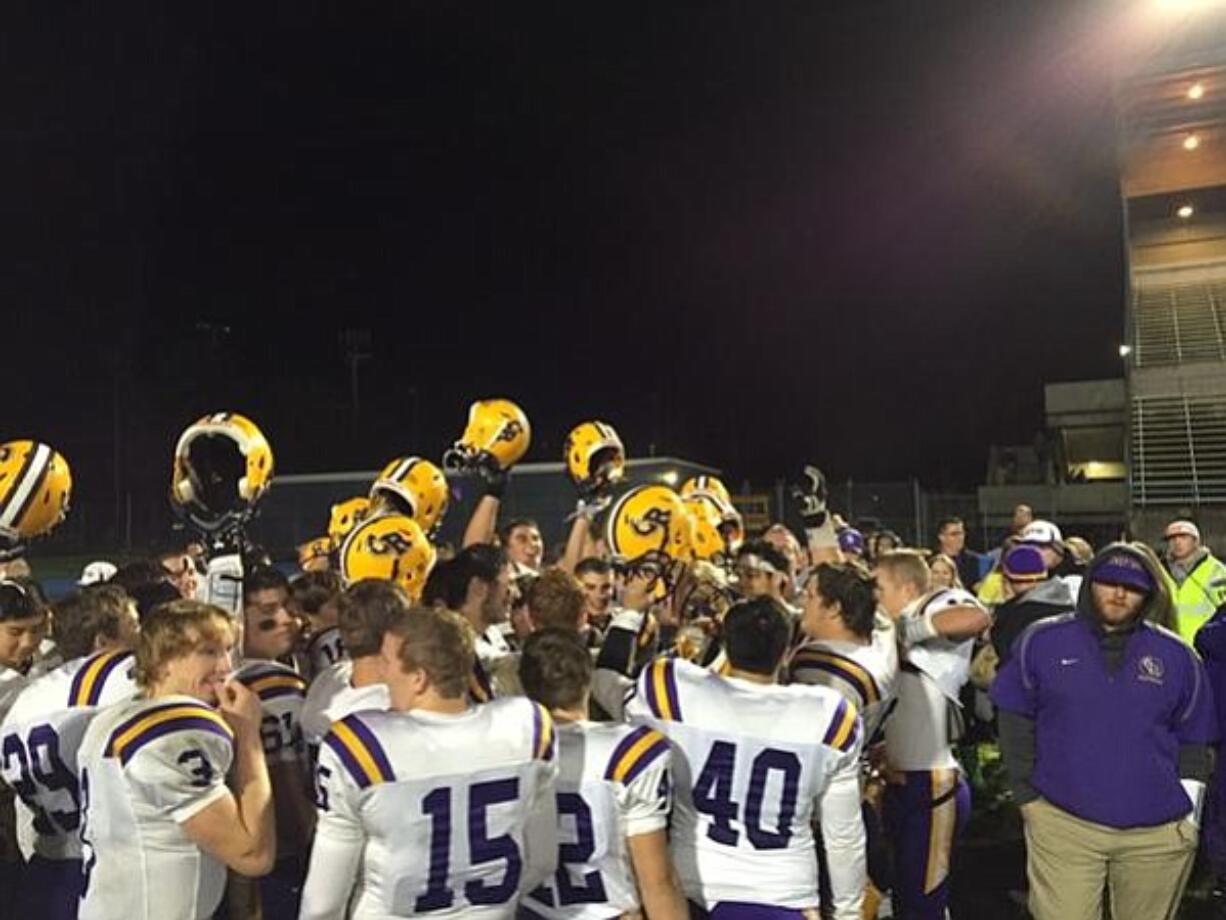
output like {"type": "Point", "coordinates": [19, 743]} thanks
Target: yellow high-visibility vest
{"type": "Point", "coordinates": [1200, 595]}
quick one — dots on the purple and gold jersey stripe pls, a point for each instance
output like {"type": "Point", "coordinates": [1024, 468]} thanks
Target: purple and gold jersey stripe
{"type": "Point", "coordinates": [271, 686]}
{"type": "Point", "coordinates": [360, 752]}
{"type": "Point", "coordinates": [843, 729]}
{"type": "Point", "coordinates": [542, 733]}
{"type": "Point", "coordinates": [662, 690]}
{"type": "Point", "coordinates": [130, 736]}
{"type": "Point", "coordinates": [840, 666]}
{"type": "Point", "coordinates": [90, 679]}
{"type": "Point", "coordinates": [636, 752]}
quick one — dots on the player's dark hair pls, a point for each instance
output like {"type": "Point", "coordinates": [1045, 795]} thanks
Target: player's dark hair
{"type": "Point", "coordinates": [948, 522]}
{"type": "Point", "coordinates": [366, 611]}
{"type": "Point", "coordinates": [151, 595]}
{"type": "Point", "coordinates": [555, 668]}
{"type": "Point", "coordinates": [16, 603]}
{"type": "Point", "coordinates": [767, 551]}
{"type": "Point", "coordinates": [83, 616]}
{"type": "Point", "coordinates": [311, 590]}
{"type": "Point", "coordinates": [137, 573]}
{"type": "Point", "coordinates": [264, 578]}
{"type": "Point", "coordinates": [852, 587]}
{"type": "Point", "coordinates": [484, 561]}
{"type": "Point", "coordinates": [593, 565]}
{"type": "Point", "coordinates": [504, 532]}
{"type": "Point", "coordinates": [756, 634]}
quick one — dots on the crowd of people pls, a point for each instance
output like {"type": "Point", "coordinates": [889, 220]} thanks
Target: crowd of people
{"type": "Point", "coordinates": [674, 719]}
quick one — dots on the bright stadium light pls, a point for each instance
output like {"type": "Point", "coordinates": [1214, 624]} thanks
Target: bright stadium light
{"type": "Point", "coordinates": [1196, 91]}
{"type": "Point", "coordinates": [1191, 142]}
{"type": "Point", "coordinates": [1185, 211]}
{"type": "Point", "coordinates": [1125, 351]}
{"type": "Point", "coordinates": [670, 478]}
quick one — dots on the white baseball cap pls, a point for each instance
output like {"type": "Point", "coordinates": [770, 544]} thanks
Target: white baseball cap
{"type": "Point", "coordinates": [96, 573]}
{"type": "Point", "coordinates": [1181, 529]}
{"type": "Point", "coordinates": [1041, 533]}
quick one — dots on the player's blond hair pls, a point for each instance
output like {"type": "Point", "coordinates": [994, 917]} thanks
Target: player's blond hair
{"type": "Point", "coordinates": [907, 566]}
{"type": "Point", "coordinates": [176, 629]}
{"type": "Point", "coordinates": [440, 643]}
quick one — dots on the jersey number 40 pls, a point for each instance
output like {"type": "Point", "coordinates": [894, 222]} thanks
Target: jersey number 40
{"type": "Point", "coordinates": [713, 796]}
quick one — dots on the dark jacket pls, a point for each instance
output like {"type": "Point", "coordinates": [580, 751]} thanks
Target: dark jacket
{"type": "Point", "coordinates": [1048, 599]}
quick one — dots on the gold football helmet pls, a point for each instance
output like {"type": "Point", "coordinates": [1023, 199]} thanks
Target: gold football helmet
{"type": "Point", "coordinates": [315, 555]}
{"type": "Point", "coordinates": [413, 487]}
{"type": "Point", "coordinates": [732, 526]}
{"type": "Point", "coordinates": [707, 485]}
{"type": "Point", "coordinates": [595, 457]}
{"type": "Point", "coordinates": [498, 434]}
{"type": "Point", "coordinates": [648, 521]}
{"type": "Point", "coordinates": [707, 519]}
{"type": "Point", "coordinates": [391, 547]}
{"type": "Point", "coordinates": [347, 515]}
{"type": "Point", "coordinates": [223, 465]}
{"type": "Point", "coordinates": [35, 488]}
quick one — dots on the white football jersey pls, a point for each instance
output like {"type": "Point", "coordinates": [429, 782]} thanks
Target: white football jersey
{"type": "Point", "coordinates": [281, 690]}
{"type": "Point", "coordinates": [332, 696]}
{"type": "Point", "coordinates": [752, 763]}
{"type": "Point", "coordinates": [323, 650]}
{"type": "Point", "coordinates": [147, 766]}
{"type": "Point", "coordinates": [613, 783]}
{"type": "Point", "coordinates": [39, 742]}
{"type": "Point", "coordinates": [451, 815]}
{"type": "Point", "coordinates": [11, 684]}
{"type": "Point", "coordinates": [931, 674]}
{"type": "Point", "coordinates": [867, 675]}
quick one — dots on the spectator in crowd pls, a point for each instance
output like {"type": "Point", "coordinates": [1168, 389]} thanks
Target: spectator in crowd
{"type": "Point", "coordinates": [944, 572]}
{"type": "Point", "coordinates": [1197, 578]}
{"type": "Point", "coordinates": [96, 573]}
{"type": "Point", "coordinates": [1105, 723]}
{"type": "Point", "coordinates": [1033, 595]}
{"type": "Point", "coordinates": [1046, 537]}
{"type": "Point", "coordinates": [951, 541]}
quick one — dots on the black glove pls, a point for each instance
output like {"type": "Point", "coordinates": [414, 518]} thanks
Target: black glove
{"type": "Point", "coordinates": [809, 495]}
{"type": "Point", "coordinates": [493, 477]}
{"type": "Point", "coordinates": [11, 548]}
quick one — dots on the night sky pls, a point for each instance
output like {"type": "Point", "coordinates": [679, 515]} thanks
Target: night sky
{"type": "Point", "coordinates": [745, 233]}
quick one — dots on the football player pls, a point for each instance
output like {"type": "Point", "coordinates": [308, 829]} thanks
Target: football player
{"type": "Point", "coordinates": [365, 612]}
{"type": "Point", "coordinates": [436, 806]}
{"type": "Point", "coordinates": [755, 764]}
{"type": "Point", "coordinates": [313, 596]}
{"type": "Point", "coordinates": [270, 633]}
{"type": "Point", "coordinates": [23, 626]}
{"type": "Point", "coordinates": [927, 800]}
{"type": "Point", "coordinates": [847, 646]}
{"type": "Point", "coordinates": [159, 824]}
{"type": "Point", "coordinates": [613, 798]}
{"type": "Point", "coordinates": [39, 739]}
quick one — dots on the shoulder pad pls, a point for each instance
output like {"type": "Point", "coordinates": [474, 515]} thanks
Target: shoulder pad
{"type": "Point", "coordinates": [360, 752]}
{"type": "Point", "coordinates": [815, 658]}
{"type": "Point", "coordinates": [90, 679]}
{"type": "Point", "coordinates": [637, 751]}
{"type": "Point", "coordinates": [273, 681]}
{"type": "Point", "coordinates": [660, 689]}
{"type": "Point", "coordinates": [134, 733]}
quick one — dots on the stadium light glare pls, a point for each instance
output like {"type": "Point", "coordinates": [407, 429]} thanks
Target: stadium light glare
{"type": "Point", "coordinates": [1191, 142]}
{"type": "Point", "coordinates": [1196, 91]}
{"type": "Point", "coordinates": [1125, 351]}
{"type": "Point", "coordinates": [670, 477]}
{"type": "Point", "coordinates": [1185, 211]}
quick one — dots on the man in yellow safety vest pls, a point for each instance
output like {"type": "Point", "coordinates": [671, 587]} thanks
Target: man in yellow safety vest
{"type": "Point", "coordinates": [1197, 578]}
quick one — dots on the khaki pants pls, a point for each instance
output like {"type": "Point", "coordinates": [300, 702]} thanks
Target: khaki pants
{"type": "Point", "coordinates": [1070, 861]}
